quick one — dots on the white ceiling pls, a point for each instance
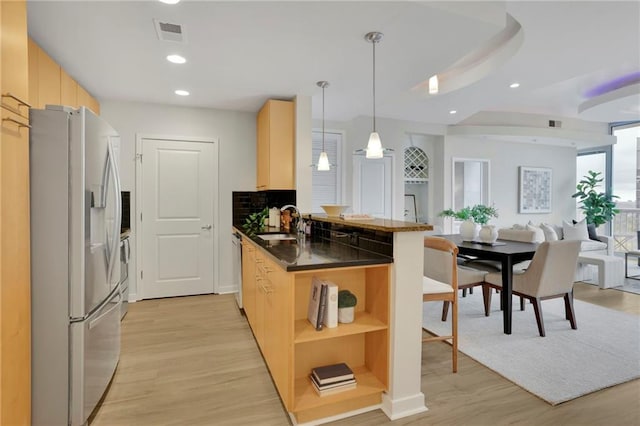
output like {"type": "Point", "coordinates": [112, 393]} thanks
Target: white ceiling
{"type": "Point", "coordinates": [241, 53]}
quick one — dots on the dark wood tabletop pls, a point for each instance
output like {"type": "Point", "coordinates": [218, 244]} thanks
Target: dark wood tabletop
{"type": "Point", "coordinates": [508, 253]}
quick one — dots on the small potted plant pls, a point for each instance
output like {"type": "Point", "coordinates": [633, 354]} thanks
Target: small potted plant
{"type": "Point", "coordinates": [255, 222]}
{"type": "Point", "coordinates": [473, 218]}
{"type": "Point", "coordinates": [346, 306]}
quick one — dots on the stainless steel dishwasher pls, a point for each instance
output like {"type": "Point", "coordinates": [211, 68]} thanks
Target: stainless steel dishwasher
{"type": "Point", "coordinates": [236, 241]}
{"type": "Point", "coordinates": [125, 254]}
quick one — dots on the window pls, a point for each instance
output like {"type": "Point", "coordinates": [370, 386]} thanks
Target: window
{"type": "Point", "coordinates": [327, 185]}
{"type": "Point", "coordinates": [626, 185]}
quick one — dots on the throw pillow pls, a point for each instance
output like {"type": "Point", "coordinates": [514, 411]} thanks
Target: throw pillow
{"type": "Point", "coordinates": [539, 234]}
{"type": "Point", "coordinates": [575, 232]}
{"type": "Point", "coordinates": [549, 232]}
{"type": "Point", "coordinates": [519, 227]}
{"type": "Point", "coordinates": [591, 230]}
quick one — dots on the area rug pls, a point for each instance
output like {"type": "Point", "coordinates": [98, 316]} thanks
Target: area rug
{"type": "Point", "coordinates": [604, 351]}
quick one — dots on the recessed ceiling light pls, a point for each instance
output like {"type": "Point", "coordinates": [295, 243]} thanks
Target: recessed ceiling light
{"type": "Point", "coordinates": [514, 85]}
{"type": "Point", "coordinates": [453, 111]}
{"type": "Point", "coordinates": [169, 1]}
{"type": "Point", "coordinates": [176, 59]}
{"type": "Point", "coordinates": [180, 92]}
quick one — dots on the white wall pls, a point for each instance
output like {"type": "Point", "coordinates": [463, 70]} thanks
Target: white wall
{"type": "Point", "coordinates": [236, 132]}
{"type": "Point", "coordinates": [505, 158]}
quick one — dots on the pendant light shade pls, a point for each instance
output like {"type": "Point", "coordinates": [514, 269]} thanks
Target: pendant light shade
{"type": "Point", "coordinates": [323, 160]}
{"type": "Point", "coordinates": [374, 147]}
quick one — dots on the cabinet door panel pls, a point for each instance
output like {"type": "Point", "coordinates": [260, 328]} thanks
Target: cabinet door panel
{"type": "Point", "coordinates": [68, 90]}
{"type": "Point", "coordinates": [13, 45]}
{"type": "Point", "coordinates": [85, 99]}
{"type": "Point", "coordinates": [249, 282]}
{"type": "Point", "coordinates": [262, 151]}
{"type": "Point", "coordinates": [48, 80]}
{"type": "Point", "coordinates": [34, 87]}
{"type": "Point", "coordinates": [15, 314]}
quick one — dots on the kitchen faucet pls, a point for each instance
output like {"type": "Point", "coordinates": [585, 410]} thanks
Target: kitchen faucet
{"type": "Point", "coordinates": [300, 223]}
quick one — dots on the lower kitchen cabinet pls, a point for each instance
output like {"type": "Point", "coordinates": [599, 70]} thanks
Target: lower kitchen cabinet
{"type": "Point", "coordinates": [291, 346]}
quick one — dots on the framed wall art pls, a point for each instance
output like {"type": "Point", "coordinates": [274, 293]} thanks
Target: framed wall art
{"type": "Point", "coordinates": [535, 190]}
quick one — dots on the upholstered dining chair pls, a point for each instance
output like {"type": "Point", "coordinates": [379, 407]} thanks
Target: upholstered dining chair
{"type": "Point", "coordinates": [440, 283]}
{"type": "Point", "coordinates": [467, 279]}
{"type": "Point", "coordinates": [549, 275]}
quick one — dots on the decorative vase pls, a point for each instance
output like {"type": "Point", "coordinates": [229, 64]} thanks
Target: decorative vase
{"type": "Point", "coordinates": [469, 230]}
{"type": "Point", "coordinates": [346, 315]}
{"type": "Point", "coordinates": [488, 234]}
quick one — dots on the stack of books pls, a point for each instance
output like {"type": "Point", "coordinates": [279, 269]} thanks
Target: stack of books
{"type": "Point", "coordinates": [332, 378]}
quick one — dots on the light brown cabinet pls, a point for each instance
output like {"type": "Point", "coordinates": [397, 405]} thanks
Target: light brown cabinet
{"type": "Point", "coordinates": [291, 346]}
{"type": "Point", "coordinates": [85, 99]}
{"type": "Point", "coordinates": [50, 84]}
{"type": "Point", "coordinates": [68, 90]}
{"type": "Point", "coordinates": [15, 300]}
{"type": "Point", "coordinates": [276, 146]}
{"type": "Point", "coordinates": [48, 80]}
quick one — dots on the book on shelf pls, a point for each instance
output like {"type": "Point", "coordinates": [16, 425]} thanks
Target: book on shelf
{"type": "Point", "coordinates": [324, 391]}
{"type": "Point", "coordinates": [331, 310]}
{"type": "Point", "coordinates": [331, 385]}
{"type": "Point", "coordinates": [315, 311]}
{"type": "Point", "coordinates": [332, 373]}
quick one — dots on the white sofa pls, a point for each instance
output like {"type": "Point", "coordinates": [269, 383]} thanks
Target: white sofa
{"type": "Point", "coordinates": [604, 245]}
{"type": "Point", "coordinates": [584, 272]}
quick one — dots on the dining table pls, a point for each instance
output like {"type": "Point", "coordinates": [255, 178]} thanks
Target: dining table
{"type": "Point", "coordinates": [508, 253]}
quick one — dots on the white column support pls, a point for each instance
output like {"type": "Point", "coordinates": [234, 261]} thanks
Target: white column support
{"type": "Point", "coordinates": [405, 397]}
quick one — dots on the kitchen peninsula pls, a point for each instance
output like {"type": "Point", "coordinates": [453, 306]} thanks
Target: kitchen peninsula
{"type": "Point", "coordinates": [378, 260]}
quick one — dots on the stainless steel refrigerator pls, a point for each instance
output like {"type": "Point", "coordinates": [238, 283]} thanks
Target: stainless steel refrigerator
{"type": "Point", "coordinates": [75, 264]}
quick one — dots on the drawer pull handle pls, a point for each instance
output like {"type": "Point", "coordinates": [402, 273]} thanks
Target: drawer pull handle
{"type": "Point", "coordinates": [19, 123]}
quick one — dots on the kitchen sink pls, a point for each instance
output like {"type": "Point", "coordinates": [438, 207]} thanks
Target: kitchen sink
{"type": "Point", "coordinates": [277, 237]}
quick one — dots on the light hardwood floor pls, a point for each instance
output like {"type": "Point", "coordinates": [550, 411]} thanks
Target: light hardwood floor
{"type": "Point", "coordinates": [193, 361]}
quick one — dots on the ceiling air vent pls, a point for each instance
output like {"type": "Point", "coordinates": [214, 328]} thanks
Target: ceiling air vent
{"type": "Point", "coordinates": [168, 31]}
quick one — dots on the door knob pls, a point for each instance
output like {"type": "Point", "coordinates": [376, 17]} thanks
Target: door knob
{"type": "Point", "coordinates": [207, 227]}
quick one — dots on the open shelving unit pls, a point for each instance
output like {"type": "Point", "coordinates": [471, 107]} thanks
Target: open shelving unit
{"type": "Point", "coordinates": [276, 303]}
{"type": "Point", "coordinates": [362, 344]}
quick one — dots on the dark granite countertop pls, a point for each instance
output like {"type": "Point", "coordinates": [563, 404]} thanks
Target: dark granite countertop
{"type": "Point", "coordinates": [303, 254]}
{"type": "Point", "coordinates": [386, 225]}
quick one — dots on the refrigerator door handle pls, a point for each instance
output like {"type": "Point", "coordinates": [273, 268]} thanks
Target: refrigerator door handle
{"type": "Point", "coordinates": [116, 305]}
{"type": "Point", "coordinates": [115, 246]}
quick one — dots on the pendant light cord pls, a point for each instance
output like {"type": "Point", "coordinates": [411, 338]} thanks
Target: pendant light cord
{"type": "Point", "coordinates": [374, 85]}
{"type": "Point", "coordinates": [323, 118]}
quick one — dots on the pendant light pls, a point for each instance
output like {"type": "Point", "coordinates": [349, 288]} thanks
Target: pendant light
{"type": "Point", "coordinates": [323, 161]}
{"type": "Point", "coordinates": [374, 147]}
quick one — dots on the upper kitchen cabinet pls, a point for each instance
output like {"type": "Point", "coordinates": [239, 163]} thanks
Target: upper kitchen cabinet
{"type": "Point", "coordinates": [15, 288]}
{"type": "Point", "coordinates": [68, 90]}
{"type": "Point", "coordinates": [276, 147]}
{"type": "Point", "coordinates": [50, 84]}
{"type": "Point", "coordinates": [85, 99]}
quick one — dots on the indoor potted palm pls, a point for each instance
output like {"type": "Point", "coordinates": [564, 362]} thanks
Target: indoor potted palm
{"type": "Point", "coordinates": [598, 207]}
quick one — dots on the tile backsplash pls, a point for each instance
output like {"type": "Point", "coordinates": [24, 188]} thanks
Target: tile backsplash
{"type": "Point", "coordinates": [247, 202]}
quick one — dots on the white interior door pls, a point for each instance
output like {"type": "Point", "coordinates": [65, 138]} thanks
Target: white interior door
{"type": "Point", "coordinates": [372, 186]}
{"type": "Point", "coordinates": [179, 181]}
